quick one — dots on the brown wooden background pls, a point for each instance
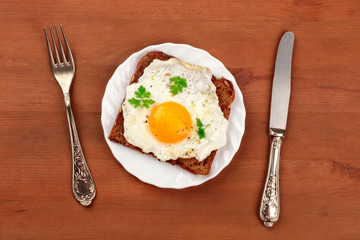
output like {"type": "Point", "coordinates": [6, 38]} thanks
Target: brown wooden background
{"type": "Point", "coordinates": [320, 166]}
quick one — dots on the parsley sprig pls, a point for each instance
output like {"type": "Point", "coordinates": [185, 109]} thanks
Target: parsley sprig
{"type": "Point", "coordinates": [143, 98]}
{"type": "Point", "coordinates": [201, 128]}
{"type": "Point", "coordinates": [178, 85]}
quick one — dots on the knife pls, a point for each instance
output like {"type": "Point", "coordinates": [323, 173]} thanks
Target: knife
{"type": "Point", "coordinates": [270, 202]}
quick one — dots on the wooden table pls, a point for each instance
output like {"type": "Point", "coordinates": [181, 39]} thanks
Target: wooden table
{"type": "Point", "coordinates": [320, 166]}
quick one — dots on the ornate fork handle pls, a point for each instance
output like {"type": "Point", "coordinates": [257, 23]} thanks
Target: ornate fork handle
{"type": "Point", "coordinates": [270, 202]}
{"type": "Point", "coordinates": [82, 182]}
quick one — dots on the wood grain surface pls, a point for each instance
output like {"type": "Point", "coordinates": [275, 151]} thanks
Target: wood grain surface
{"type": "Point", "coordinates": [320, 165]}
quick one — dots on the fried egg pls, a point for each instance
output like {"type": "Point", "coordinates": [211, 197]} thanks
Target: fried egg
{"type": "Point", "coordinates": [169, 128]}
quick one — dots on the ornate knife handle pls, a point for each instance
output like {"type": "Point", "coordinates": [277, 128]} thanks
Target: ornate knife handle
{"type": "Point", "coordinates": [270, 202]}
{"type": "Point", "coordinates": [82, 182]}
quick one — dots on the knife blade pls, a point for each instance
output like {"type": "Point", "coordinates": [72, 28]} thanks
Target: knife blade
{"type": "Point", "coordinates": [270, 204]}
{"type": "Point", "coordinates": [281, 84]}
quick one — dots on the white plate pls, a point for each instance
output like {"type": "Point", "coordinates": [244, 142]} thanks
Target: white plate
{"type": "Point", "coordinates": [149, 169]}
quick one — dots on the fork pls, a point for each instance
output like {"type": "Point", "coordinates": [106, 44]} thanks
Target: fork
{"type": "Point", "coordinates": [83, 186]}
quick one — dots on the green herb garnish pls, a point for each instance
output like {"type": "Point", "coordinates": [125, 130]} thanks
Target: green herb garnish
{"type": "Point", "coordinates": [142, 94]}
{"type": "Point", "coordinates": [201, 128]}
{"type": "Point", "coordinates": [135, 102]}
{"type": "Point", "coordinates": [178, 85]}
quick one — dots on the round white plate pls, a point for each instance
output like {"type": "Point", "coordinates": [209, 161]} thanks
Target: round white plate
{"type": "Point", "coordinates": [149, 169]}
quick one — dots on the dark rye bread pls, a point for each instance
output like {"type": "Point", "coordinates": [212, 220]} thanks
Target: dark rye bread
{"type": "Point", "coordinates": [225, 93]}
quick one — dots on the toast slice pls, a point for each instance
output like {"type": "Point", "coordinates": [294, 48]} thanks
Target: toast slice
{"type": "Point", "coordinates": [225, 93]}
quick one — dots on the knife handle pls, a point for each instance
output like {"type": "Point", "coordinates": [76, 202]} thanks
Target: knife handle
{"type": "Point", "coordinates": [270, 202]}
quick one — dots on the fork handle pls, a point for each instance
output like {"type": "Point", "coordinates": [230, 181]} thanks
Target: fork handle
{"type": "Point", "coordinates": [82, 182]}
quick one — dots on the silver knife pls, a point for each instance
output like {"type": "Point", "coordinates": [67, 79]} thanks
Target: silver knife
{"type": "Point", "coordinates": [270, 202]}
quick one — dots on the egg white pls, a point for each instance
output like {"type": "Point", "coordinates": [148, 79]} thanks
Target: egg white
{"type": "Point", "coordinates": [199, 98]}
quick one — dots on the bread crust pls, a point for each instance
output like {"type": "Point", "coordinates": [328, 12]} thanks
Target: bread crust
{"type": "Point", "coordinates": [224, 91]}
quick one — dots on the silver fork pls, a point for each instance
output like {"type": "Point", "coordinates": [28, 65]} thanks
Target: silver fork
{"type": "Point", "coordinates": [64, 70]}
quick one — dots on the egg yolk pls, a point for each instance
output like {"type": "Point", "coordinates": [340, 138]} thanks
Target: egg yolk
{"type": "Point", "coordinates": [170, 122]}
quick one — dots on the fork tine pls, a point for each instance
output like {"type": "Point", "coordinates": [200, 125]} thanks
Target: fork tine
{"type": "Point", "coordinates": [56, 51]}
{"type": "Point", "coordinates": [67, 45]}
{"type": "Point", "coordinates": [61, 47]}
{"type": "Point", "coordinates": [51, 58]}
